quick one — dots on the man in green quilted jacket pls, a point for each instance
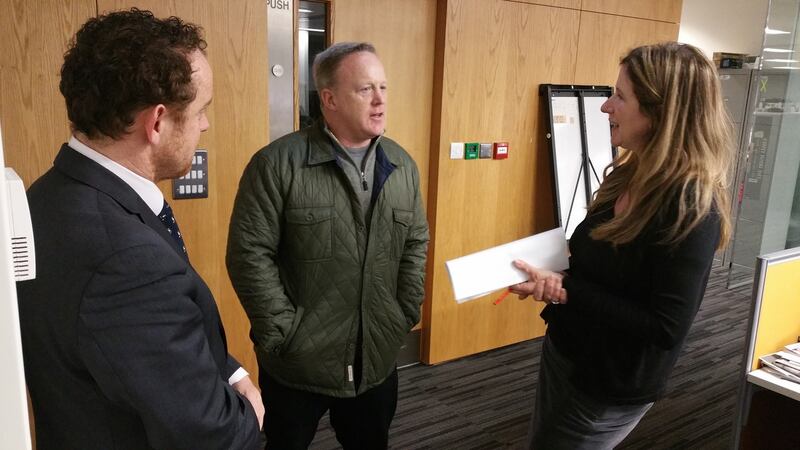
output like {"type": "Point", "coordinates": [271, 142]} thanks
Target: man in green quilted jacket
{"type": "Point", "coordinates": [326, 251]}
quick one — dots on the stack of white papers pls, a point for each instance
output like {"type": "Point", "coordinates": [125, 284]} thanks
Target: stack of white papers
{"type": "Point", "coordinates": [480, 273]}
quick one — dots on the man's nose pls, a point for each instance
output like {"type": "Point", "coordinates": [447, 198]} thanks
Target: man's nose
{"type": "Point", "coordinates": [379, 97]}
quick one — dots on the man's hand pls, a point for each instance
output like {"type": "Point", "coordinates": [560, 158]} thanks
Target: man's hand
{"type": "Point", "coordinates": [253, 395]}
{"type": "Point", "coordinates": [542, 285]}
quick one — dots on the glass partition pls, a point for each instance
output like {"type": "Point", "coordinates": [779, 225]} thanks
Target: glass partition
{"type": "Point", "coordinates": [767, 194]}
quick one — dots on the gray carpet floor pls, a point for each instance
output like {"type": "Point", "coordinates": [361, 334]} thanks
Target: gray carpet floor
{"type": "Point", "coordinates": [484, 401]}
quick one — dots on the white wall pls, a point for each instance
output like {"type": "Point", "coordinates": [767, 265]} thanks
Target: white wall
{"type": "Point", "coordinates": [734, 26]}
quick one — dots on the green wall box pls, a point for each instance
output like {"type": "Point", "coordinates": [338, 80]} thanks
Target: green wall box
{"type": "Point", "coordinates": [471, 150]}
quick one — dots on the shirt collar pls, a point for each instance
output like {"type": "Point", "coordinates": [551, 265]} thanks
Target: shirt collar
{"type": "Point", "coordinates": [373, 142]}
{"type": "Point", "coordinates": [143, 187]}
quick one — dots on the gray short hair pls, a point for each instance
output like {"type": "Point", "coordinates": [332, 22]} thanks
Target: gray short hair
{"type": "Point", "coordinates": [327, 61]}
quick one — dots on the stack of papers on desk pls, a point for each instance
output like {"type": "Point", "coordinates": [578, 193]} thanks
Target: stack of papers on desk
{"type": "Point", "coordinates": [784, 364]}
{"type": "Point", "coordinates": [480, 273]}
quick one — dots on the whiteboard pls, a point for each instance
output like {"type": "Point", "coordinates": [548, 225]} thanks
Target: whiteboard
{"type": "Point", "coordinates": [568, 159]}
{"type": "Point", "coordinates": [598, 139]}
{"type": "Point", "coordinates": [580, 142]}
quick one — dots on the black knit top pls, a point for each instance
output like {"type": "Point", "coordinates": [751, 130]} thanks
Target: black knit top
{"type": "Point", "coordinates": [629, 309]}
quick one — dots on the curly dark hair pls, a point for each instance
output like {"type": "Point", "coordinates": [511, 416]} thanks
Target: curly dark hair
{"type": "Point", "coordinates": [122, 62]}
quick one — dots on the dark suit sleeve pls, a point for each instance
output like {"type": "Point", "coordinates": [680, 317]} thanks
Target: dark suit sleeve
{"type": "Point", "coordinates": [143, 340]}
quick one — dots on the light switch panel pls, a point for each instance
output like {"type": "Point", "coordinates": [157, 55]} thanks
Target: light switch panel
{"type": "Point", "coordinates": [195, 183]}
{"type": "Point", "coordinates": [456, 150]}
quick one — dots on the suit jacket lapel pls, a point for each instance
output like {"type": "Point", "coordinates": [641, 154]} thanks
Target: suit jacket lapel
{"type": "Point", "coordinates": [83, 169]}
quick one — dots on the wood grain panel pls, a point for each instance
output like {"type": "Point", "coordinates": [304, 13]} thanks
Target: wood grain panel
{"type": "Point", "coordinates": [572, 4]}
{"type": "Point", "coordinates": [33, 117]}
{"type": "Point", "coordinates": [605, 39]}
{"type": "Point", "coordinates": [489, 92]}
{"type": "Point", "coordinates": [403, 34]}
{"type": "Point", "coordinates": [664, 10]}
{"type": "Point", "coordinates": [32, 112]}
{"type": "Point", "coordinates": [236, 32]}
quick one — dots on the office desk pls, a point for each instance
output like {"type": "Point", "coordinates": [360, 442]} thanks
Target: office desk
{"type": "Point", "coordinates": [770, 413]}
{"type": "Point", "coordinates": [769, 381]}
{"type": "Point", "coordinates": [768, 410]}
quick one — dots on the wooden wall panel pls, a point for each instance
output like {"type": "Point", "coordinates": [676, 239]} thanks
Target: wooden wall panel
{"type": "Point", "coordinates": [572, 4]}
{"type": "Point", "coordinates": [490, 93]}
{"type": "Point", "coordinates": [663, 10]}
{"type": "Point", "coordinates": [33, 117]}
{"type": "Point", "coordinates": [486, 90]}
{"type": "Point", "coordinates": [403, 34]}
{"type": "Point", "coordinates": [236, 32]}
{"type": "Point", "coordinates": [32, 112]}
{"type": "Point", "coordinates": [605, 39]}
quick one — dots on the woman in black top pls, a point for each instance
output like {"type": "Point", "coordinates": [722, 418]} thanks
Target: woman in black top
{"type": "Point", "coordinates": [640, 261]}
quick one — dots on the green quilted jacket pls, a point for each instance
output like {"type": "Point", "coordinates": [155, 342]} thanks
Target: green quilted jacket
{"type": "Point", "coordinates": [306, 269]}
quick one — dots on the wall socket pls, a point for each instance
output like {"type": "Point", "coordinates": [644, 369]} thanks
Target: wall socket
{"type": "Point", "coordinates": [456, 150]}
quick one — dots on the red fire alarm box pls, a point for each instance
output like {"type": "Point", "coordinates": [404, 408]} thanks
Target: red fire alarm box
{"type": "Point", "coordinates": [500, 150]}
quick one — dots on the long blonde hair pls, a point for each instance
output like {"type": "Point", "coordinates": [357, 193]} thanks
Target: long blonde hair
{"type": "Point", "coordinates": [686, 156]}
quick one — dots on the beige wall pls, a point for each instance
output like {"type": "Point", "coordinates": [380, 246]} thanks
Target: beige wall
{"type": "Point", "coordinates": [734, 26]}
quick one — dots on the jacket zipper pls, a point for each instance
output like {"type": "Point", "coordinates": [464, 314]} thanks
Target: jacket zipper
{"type": "Point", "coordinates": [364, 181]}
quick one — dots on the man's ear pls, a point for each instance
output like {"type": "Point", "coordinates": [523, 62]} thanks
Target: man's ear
{"type": "Point", "coordinates": [327, 99]}
{"type": "Point", "coordinates": [153, 121]}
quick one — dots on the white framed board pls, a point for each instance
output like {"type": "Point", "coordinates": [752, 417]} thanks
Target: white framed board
{"type": "Point", "coordinates": [579, 136]}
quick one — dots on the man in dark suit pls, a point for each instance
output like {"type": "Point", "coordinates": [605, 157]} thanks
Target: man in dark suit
{"type": "Point", "coordinates": [122, 340]}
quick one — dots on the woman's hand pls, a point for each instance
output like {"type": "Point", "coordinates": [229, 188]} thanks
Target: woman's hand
{"type": "Point", "coordinates": [542, 285]}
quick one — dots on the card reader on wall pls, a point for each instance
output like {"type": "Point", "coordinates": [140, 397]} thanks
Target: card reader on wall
{"type": "Point", "coordinates": [22, 251]}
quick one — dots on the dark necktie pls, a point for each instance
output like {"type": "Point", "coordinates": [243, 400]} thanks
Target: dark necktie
{"type": "Point", "coordinates": [168, 219]}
